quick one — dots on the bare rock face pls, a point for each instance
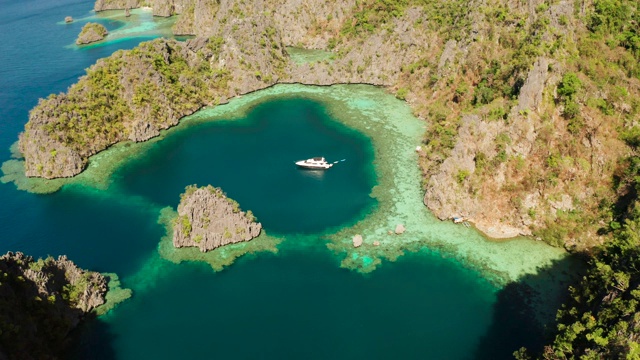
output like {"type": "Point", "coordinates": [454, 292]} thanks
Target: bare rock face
{"type": "Point", "coordinates": [42, 301]}
{"type": "Point", "coordinates": [90, 33]}
{"type": "Point", "coordinates": [530, 96]}
{"type": "Point", "coordinates": [50, 277]}
{"type": "Point", "coordinates": [196, 18]}
{"type": "Point", "coordinates": [101, 5]}
{"type": "Point", "coordinates": [68, 19]}
{"type": "Point", "coordinates": [207, 219]}
{"type": "Point", "coordinates": [145, 97]}
{"type": "Point", "coordinates": [357, 240]}
{"type": "Point", "coordinates": [49, 158]}
{"type": "Point", "coordinates": [143, 130]}
{"type": "Point", "coordinates": [376, 59]}
{"type": "Point", "coordinates": [207, 17]}
{"type": "Point", "coordinates": [163, 8]}
{"type": "Point", "coordinates": [446, 195]}
{"type": "Point", "coordinates": [448, 56]}
{"type": "Point", "coordinates": [167, 8]}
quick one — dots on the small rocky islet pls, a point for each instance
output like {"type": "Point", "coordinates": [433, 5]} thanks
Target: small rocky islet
{"type": "Point", "coordinates": [90, 33]}
{"type": "Point", "coordinates": [208, 219]}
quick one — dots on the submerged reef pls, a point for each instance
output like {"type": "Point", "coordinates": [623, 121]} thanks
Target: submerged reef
{"type": "Point", "coordinates": [208, 219]}
{"type": "Point", "coordinates": [41, 301]}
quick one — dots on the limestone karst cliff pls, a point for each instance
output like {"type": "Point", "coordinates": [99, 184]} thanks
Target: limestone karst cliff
{"type": "Point", "coordinates": [162, 8]}
{"type": "Point", "coordinates": [41, 302]}
{"type": "Point", "coordinates": [134, 94]}
{"type": "Point", "coordinates": [503, 146]}
{"type": "Point", "coordinates": [207, 219]}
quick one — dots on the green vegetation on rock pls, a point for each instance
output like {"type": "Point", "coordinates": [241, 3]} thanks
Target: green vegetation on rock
{"type": "Point", "coordinates": [91, 32]}
{"type": "Point", "coordinates": [130, 95]}
{"type": "Point", "coordinates": [41, 301]}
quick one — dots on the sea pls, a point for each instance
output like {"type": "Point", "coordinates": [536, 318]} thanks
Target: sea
{"type": "Point", "coordinates": [299, 302]}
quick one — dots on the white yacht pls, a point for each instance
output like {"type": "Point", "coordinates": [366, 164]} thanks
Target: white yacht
{"type": "Point", "coordinates": [317, 163]}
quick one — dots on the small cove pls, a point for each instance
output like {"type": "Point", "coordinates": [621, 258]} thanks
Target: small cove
{"type": "Point", "coordinates": [252, 160]}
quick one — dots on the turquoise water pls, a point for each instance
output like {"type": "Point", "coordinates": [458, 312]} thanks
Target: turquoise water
{"type": "Point", "coordinates": [301, 305]}
{"type": "Point", "coordinates": [253, 161]}
{"type": "Point", "coordinates": [297, 303]}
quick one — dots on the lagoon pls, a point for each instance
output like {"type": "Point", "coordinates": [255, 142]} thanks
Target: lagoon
{"type": "Point", "coordinates": [454, 296]}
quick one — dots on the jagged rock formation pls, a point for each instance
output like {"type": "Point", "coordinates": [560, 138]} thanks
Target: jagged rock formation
{"type": "Point", "coordinates": [200, 14]}
{"type": "Point", "coordinates": [503, 147]}
{"type": "Point", "coordinates": [68, 19]}
{"type": "Point", "coordinates": [41, 302]}
{"type": "Point", "coordinates": [207, 219]}
{"type": "Point", "coordinates": [102, 5]}
{"type": "Point", "coordinates": [162, 8]}
{"type": "Point", "coordinates": [91, 32]}
{"type": "Point", "coordinates": [135, 94]}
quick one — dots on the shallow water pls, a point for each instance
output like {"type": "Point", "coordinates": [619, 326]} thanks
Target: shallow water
{"type": "Point", "coordinates": [442, 302]}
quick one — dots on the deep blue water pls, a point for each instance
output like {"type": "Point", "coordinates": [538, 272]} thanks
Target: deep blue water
{"type": "Point", "coordinates": [296, 304]}
{"type": "Point", "coordinates": [253, 161]}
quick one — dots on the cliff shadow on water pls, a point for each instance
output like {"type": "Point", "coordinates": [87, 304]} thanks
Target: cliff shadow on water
{"type": "Point", "coordinates": [93, 339]}
{"type": "Point", "coordinates": [524, 311]}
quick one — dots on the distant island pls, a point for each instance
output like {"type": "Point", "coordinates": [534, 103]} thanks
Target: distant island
{"type": "Point", "coordinates": [208, 219]}
{"type": "Point", "coordinates": [41, 301]}
{"type": "Point", "coordinates": [91, 32]}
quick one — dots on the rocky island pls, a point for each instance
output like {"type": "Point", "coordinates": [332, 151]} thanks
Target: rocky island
{"type": "Point", "coordinates": [207, 219]}
{"type": "Point", "coordinates": [90, 33]}
{"type": "Point", "coordinates": [41, 301]}
{"type": "Point", "coordinates": [531, 116]}
{"type": "Point", "coordinates": [488, 120]}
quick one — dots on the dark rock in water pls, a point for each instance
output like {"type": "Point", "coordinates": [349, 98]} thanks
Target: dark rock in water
{"type": "Point", "coordinates": [68, 19]}
{"type": "Point", "coordinates": [91, 32]}
{"type": "Point", "coordinates": [41, 302]}
{"type": "Point", "coordinates": [208, 219]}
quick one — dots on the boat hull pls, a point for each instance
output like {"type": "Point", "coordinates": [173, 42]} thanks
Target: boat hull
{"type": "Point", "coordinates": [305, 165]}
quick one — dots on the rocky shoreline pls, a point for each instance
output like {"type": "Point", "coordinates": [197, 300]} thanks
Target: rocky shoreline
{"type": "Point", "coordinates": [473, 162]}
{"type": "Point", "coordinates": [41, 301]}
